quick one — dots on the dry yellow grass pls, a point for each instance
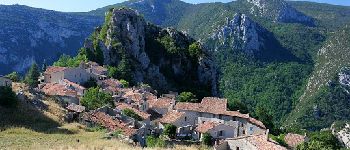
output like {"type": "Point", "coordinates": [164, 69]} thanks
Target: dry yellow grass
{"type": "Point", "coordinates": [21, 138]}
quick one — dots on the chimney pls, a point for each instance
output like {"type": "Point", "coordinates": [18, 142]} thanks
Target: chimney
{"type": "Point", "coordinates": [267, 134]}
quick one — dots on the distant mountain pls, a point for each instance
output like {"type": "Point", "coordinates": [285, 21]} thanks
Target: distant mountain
{"type": "Point", "coordinates": [30, 35]}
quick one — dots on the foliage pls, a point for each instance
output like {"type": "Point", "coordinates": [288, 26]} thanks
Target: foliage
{"type": "Point", "coordinates": [279, 139]}
{"type": "Point", "coordinates": [117, 133]}
{"type": "Point", "coordinates": [275, 86]}
{"type": "Point", "coordinates": [152, 142]}
{"type": "Point", "coordinates": [90, 83]}
{"type": "Point", "coordinates": [14, 76]}
{"type": "Point", "coordinates": [187, 97]}
{"type": "Point", "coordinates": [195, 50]}
{"type": "Point", "coordinates": [32, 76]}
{"type": "Point", "coordinates": [68, 61]}
{"type": "Point", "coordinates": [237, 105]}
{"type": "Point", "coordinates": [112, 71]}
{"type": "Point", "coordinates": [96, 128]}
{"type": "Point", "coordinates": [7, 97]}
{"type": "Point", "coordinates": [105, 26]}
{"type": "Point", "coordinates": [130, 113]}
{"type": "Point", "coordinates": [323, 140]}
{"type": "Point", "coordinates": [265, 117]}
{"type": "Point", "coordinates": [169, 44]}
{"type": "Point", "coordinates": [170, 130]}
{"type": "Point", "coordinates": [207, 139]}
{"type": "Point", "coordinates": [94, 98]}
{"type": "Point", "coordinates": [124, 83]}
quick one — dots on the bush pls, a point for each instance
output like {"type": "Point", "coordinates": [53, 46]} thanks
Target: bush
{"type": "Point", "coordinates": [324, 140]}
{"type": "Point", "coordinates": [132, 114]}
{"type": "Point", "coordinates": [279, 139]}
{"type": "Point", "coordinates": [124, 83]}
{"type": "Point", "coordinates": [170, 131]}
{"type": "Point", "coordinates": [187, 97]}
{"type": "Point", "coordinates": [207, 139]}
{"type": "Point", "coordinates": [194, 50]}
{"type": "Point", "coordinates": [152, 141]}
{"type": "Point", "coordinates": [14, 76]}
{"type": "Point", "coordinates": [7, 97]}
{"type": "Point", "coordinates": [94, 99]}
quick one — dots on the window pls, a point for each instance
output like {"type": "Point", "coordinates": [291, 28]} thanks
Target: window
{"type": "Point", "coordinates": [243, 132]}
{"type": "Point", "coordinates": [185, 118]}
{"type": "Point", "coordinates": [221, 133]}
{"type": "Point", "coordinates": [237, 148]}
{"type": "Point", "coordinates": [220, 116]}
{"type": "Point", "coordinates": [251, 128]}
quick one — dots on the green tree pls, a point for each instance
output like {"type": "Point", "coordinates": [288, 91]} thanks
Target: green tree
{"type": "Point", "coordinates": [94, 98]}
{"type": "Point", "coordinates": [170, 130]}
{"type": "Point", "coordinates": [265, 117]}
{"type": "Point", "coordinates": [7, 97]}
{"type": "Point", "coordinates": [207, 139]}
{"type": "Point", "coordinates": [124, 83]}
{"type": "Point", "coordinates": [187, 97]}
{"type": "Point", "coordinates": [132, 114]}
{"type": "Point", "coordinates": [112, 72]}
{"type": "Point", "coordinates": [236, 105]}
{"type": "Point", "coordinates": [90, 83]}
{"type": "Point", "coordinates": [14, 76]}
{"type": "Point", "coordinates": [195, 49]}
{"type": "Point", "coordinates": [152, 141]}
{"type": "Point", "coordinates": [32, 76]}
{"type": "Point", "coordinates": [323, 140]}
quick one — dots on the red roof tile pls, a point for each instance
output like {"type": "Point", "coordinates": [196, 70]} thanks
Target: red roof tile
{"type": "Point", "coordinates": [58, 89]}
{"type": "Point", "coordinates": [262, 143]}
{"type": "Point", "coordinates": [110, 123]}
{"type": "Point", "coordinates": [171, 116]}
{"type": "Point", "coordinates": [53, 69]}
{"type": "Point", "coordinates": [123, 106]}
{"type": "Point", "coordinates": [162, 102]}
{"type": "Point", "coordinates": [206, 126]}
{"type": "Point", "coordinates": [293, 140]}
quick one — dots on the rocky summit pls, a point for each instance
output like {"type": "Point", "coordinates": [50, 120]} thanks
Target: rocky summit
{"type": "Point", "coordinates": [158, 56]}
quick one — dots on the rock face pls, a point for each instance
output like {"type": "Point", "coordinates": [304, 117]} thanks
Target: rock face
{"type": "Point", "coordinates": [239, 33]}
{"type": "Point", "coordinates": [29, 35]}
{"type": "Point", "coordinates": [343, 134]}
{"type": "Point", "coordinates": [279, 10]}
{"type": "Point", "coordinates": [155, 56]}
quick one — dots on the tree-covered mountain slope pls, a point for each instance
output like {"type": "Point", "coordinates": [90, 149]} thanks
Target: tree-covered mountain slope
{"type": "Point", "coordinates": [326, 97]}
{"type": "Point", "coordinates": [141, 52]}
{"type": "Point", "coordinates": [30, 35]}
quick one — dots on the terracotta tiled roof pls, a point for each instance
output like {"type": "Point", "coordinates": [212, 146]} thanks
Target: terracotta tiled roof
{"type": "Point", "coordinates": [293, 140]}
{"type": "Point", "coordinates": [162, 102]}
{"type": "Point", "coordinates": [262, 143]}
{"type": "Point", "coordinates": [208, 104]}
{"type": "Point", "coordinates": [256, 122]}
{"type": "Point", "coordinates": [76, 86]}
{"type": "Point", "coordinates": [58, 89]}
{"type": "Point", "coordinates": [76, 108]}
{"type": "Point", "coordinates": [123, 106]}
{"type": "Point", "coordinates": [109, 123]}
{"type": "Point", "coordinates": [171, 116]}
{"type": "Point", "coordinates": [206, 126]}
{"type": "Point", "coordinates": [53, 69]}
{"type": "Point", "coordinates": [111, 83]}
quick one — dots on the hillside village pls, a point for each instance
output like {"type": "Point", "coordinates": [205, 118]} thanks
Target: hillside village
{"type": "Point", "coordinates": [139, 112]}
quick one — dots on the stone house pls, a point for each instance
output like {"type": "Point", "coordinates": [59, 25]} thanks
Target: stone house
{"type": "Point", "coordinates": [61, 92]}
{"type": "Point", "coordinates": [250, 142]}
{"type": "Point", "coordinates": [76, 75]}
{"type": "Point", "coordinates": [217, 130]}
{"type": "Point", "coordinates": [95, 70]}
{"type": "Point", "coordinates": [214, 110]}
{"type": "Point", "coordinates": [162, 105]}
{"type": "Point", "coordinates": [5, 81]}
{"type": "Point", "coordinates": [178, 119]}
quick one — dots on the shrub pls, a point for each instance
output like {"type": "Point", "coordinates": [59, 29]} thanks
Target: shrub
{"type": "Point", "coordinates": [94, 98]}
{"type": "Point", "coordinates": [187, 97]}
{"type": "Point", "coordinates": [152, 141]}
{"type": "Point", "coordinates": [194, 49]}
{"type": "Point", "coordinates": [90, 83]}
{"type": "Point", "coordinates": [132, 114]}
{"type": "Point", "coordinates": [207, 139]}
{"type": "Point", "coordinates": [124, 83]}
{"type": "Point", "coordinates": [14, 76]}
{"type": "Point", "coordinates": [324, 140]}
{"type": "Point", "coordinates": [170, 131]}
{"type": "Point", "coordinates": [7, 97]}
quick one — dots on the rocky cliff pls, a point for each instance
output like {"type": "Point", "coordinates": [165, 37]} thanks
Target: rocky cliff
{"type": "Point", "coordinates": [30, 35]}
{"type": "Point", "coordinates": [278, 10]}
{"type": "Point", "coordinates": [164, 58]}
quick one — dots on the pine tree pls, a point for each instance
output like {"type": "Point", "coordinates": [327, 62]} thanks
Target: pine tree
{"type": "Point", "coordinates": [32, 76]}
